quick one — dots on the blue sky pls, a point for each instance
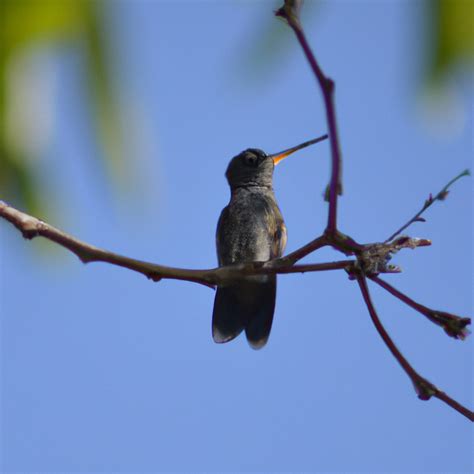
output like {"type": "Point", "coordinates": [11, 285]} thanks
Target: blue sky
{"type": "Point", "coordinates": [105, 371]}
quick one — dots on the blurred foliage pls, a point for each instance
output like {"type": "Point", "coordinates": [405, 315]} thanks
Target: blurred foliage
{"type": "Point", "coordinates": [450, 25]}
{"type": "Point", "coordinates": [26, 28]}
{"type": "Point", "coordinates": [452, 36]}
{"type": "Point", "coordinates": [264, 46]}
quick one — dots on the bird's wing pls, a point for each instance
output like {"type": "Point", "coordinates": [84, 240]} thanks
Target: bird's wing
{"type": "Point", "coordinates": [220, 237]}
{"type": "Point", "coordinates": [279, 240]}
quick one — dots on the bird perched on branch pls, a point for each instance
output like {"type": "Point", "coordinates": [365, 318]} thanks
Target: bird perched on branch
{"type": "Point", "coordinates": [250, 229]}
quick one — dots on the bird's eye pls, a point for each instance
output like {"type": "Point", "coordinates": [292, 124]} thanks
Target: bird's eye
{"type": "Point", "coordinates": [250, 160]}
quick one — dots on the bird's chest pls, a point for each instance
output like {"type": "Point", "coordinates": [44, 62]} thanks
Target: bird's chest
{"type": "Point", "coordinates": [247, 228]}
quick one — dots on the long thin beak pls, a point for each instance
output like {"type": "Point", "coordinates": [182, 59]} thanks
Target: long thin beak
{"type": "Point", "coordinates": [277, 157]}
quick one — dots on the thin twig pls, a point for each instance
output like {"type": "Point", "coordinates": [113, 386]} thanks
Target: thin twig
{"type": "Point", "coordinates": [313, 267]}
{"type": "Point", "coordinates": [454, 326]}
{"type": "Point", "coordinates": [290, 12]}
{"type": "Point", "coordinates": [441, 196]}
{"type": "Point", "coordinates": [310, 247]}
{"type": "Point", "coordinates": [339, 241]}
{"type": "Point", "coordinates": [424, 388]}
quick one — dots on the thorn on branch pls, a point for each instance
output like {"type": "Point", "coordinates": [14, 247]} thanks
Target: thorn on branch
{"type": "Point", "coordinates": [429, 201]}
{"type": "Point", "coordinates": [154, 277]}
{"type": "Point", "coordinates": [85, 259]}
{"type": "Point", "coordinates": [290, 11]}
{"type": "Point", "coordinates": [327, 191]}
{"type": "Point", "coordinates": [329, 84]}
{"type": "Point", "coordinates": [424, 388]}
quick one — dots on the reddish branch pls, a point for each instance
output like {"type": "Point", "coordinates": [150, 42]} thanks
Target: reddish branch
{"type": "Point", "coordinates": [424, 388]}
{"type": "Point", "coordinates": [290, 12]}
{"type": "Point", "coordinates": [372, 259]}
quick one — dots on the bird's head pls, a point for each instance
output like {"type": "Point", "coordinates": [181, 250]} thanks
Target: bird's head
{"type": "Point", "coordinates": [253, 167]}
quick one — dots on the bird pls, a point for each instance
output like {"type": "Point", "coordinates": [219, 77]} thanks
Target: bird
{"type": "Point", "coordinates": [250, 229]}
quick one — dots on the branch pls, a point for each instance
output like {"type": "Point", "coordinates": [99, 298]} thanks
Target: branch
{"type": "Point", "coordinates": [32, 227]}
{"type": "Point", "coordinates": [441, 196]}
{"type": "Point", "coordinates": [298, 254]}
{"type": "Point", "coordinates": [454, 326]}
{"type": "Point", "coordinates": [339, 241]}
{"type": "Point", "coordinates": [424, 388]}
{"type": "Point", "coordinates": [290, 12]}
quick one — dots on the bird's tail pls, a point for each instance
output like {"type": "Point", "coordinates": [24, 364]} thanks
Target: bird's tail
{"type": "Point", "coordinates": [248, 304]}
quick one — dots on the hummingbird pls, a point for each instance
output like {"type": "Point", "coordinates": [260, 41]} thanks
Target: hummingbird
{"type": "Point", "coordinates": [250, 229]}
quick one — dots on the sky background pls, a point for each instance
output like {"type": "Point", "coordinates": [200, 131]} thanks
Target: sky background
{"type": "Point", "coordinates": [105, 371]}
